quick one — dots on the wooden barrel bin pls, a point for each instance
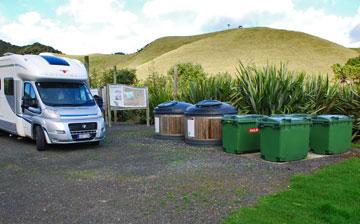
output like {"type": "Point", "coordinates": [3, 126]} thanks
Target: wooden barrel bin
{"type": "Point", "coordinates": [203, 122]}
{"type": "Point", "coordinates": [169, 120]}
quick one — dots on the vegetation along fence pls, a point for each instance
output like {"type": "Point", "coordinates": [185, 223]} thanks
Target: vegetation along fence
{"type": "Point", "coordinates": [269, 89]}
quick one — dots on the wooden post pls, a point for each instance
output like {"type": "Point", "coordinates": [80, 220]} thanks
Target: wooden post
{"type": "Point", "coordinates": [108, 104]}
{"type": "Point", "coordinates": [147, 108]}
{"type": "Point", "coordinates": [175, 89]}
{"type": "Point", "coordinates": [114, 81]}
{"type": "Point", "coordinates": [87, 66]}
{"type": "Point", "coordinates": [103, 93]}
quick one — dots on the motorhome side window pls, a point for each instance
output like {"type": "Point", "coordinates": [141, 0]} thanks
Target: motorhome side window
{"type": "Point", "coordinates": [9, 86]}
{"type": "Point", "coordinates": [29, 92]}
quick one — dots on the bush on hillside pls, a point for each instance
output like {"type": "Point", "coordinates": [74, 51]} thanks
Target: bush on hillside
{"type": "Point", "coordinates": [123, 76]}
{"type": "Point", "coordinates": [187, 72]}
{"type": "Point", "coordinates": [349, 72]}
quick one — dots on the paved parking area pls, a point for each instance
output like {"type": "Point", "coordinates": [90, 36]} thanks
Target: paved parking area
{"type": "Point", "coordinates": [134, 178]}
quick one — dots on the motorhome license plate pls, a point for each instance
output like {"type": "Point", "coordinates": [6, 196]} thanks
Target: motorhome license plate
{"type": "Point", "coordinates": [83, 136]}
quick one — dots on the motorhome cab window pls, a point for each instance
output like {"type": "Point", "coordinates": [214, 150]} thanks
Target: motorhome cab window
{"type": "Point", "coordinates": [59, 94]}
{"type": "Point", "coordinates": [9, 86]}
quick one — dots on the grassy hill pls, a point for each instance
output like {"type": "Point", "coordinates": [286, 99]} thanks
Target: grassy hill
{"type": "Point", "coordinates": [356, 49]}
{"type": "Point", "coordinates": [100, 62]}
{"type": "Point", "coordinates": [34, 48]}
{"type": "Point", "coordinates": [221, 51]}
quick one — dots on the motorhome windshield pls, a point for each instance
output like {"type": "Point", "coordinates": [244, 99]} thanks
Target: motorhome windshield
{"type": "Point", "coordinates": [62, 94]}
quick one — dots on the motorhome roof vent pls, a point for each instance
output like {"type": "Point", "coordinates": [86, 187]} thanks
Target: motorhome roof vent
{"type": "Point", "coordinates": [52, 60]}
{"type": "Point", "coordinates": [8, 53]}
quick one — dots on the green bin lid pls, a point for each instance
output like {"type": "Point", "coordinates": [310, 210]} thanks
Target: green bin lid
{"type": "Point", "coordinates": [243, 118]}
{"type": "Point", "coordinates": [331, 118]}
{"type": "Point", "coordinates": [284, 120]}
{"type": "Point", "coordinates": [292, 115]}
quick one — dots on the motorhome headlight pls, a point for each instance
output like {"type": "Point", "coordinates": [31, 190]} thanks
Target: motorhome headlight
{"type": "Point", "coordinates": [51, 114]}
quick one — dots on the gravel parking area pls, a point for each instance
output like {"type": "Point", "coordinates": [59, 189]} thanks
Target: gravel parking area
{"type": "Point", "coordinates": [134, 178]}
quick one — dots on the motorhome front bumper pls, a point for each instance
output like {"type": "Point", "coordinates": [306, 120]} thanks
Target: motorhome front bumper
{"type": "Point", "coordinates": [75, 131]}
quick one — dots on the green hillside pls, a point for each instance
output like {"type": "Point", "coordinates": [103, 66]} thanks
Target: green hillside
{"type": "Point", "coordinates": [35, 48]}
{"type": "Point", "coordinates": [100, 62]}
{"type": "Point", "coordinates": [221, 51]}
{"type": "Point", "coordinates": [356, 49]}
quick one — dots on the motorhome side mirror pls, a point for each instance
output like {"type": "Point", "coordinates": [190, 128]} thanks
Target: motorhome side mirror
{"type": "Point", "coordinates": [25, 103]}
{"type": "Point", "coordinates": [99, 101]}
{"type": "Point", "coordinates": [33, 103]}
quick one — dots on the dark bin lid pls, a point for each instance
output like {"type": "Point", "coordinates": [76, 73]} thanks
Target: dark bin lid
{"type": "Point", "coordinates": [328, 118]}
{"type": "Point", "coordinates": [243, 118]}
{"type": "Point", "coordinates": [210, 107]}
{"type": "Point", "coordinates": [172, 107]}
{"type": "Point", "coordinates": [284, 120]}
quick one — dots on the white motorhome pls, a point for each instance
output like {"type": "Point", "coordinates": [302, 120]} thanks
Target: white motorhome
{"type": "Point", "coordinates": [46, 98]}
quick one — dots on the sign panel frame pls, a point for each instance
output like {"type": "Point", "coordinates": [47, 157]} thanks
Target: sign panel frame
{"type": "Point", "coordinates": [116, 97]}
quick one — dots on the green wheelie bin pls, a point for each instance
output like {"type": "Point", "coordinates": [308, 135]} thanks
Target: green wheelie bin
{"type": "Point", "coordinates": [308, 116]}
{"type": "Point", "coordinates": [331, 134]}
{"type": "Point", "coordinates": [284, 138]}
{"type": "Point", "coordinates": [240, 133]}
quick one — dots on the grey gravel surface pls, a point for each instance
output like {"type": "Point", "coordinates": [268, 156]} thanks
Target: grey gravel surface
{"type": "Point", "coordinates": [134, 178]}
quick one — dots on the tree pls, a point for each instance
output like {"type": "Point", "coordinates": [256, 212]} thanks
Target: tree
{"type": "Point", "coordinates": [349, 72]}
{"type": "Point", "coordinates": [123, 76]}
{"type": "Point", "coordinates": [187, 72]}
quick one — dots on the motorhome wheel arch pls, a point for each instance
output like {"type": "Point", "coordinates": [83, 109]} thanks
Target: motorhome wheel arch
{"type": "Point", "coordinates": [46, 98]}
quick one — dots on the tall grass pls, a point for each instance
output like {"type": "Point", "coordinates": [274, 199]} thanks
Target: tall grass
{"type": "Point", "coordinates": [267, 90]}
{"type": "Point", "coordinates": [320, 95]}
{"type": "Point", "coordinates": [214, 87]}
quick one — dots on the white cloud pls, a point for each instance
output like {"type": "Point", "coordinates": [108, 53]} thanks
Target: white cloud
{"type": "Point", "coordinates": [2, 19]}
{"type": "Point", "coordinates": [317, 22]}
{"type": "Point", "coordinates": [88, 26]}
{"type": "Point", "coordinates": [94, 11]}
{"type": "Point", "coordinates": [213, 8]}
{"type": "Point", "coordinates": [30, 18]}
{"type": "Point", "coordinates": [208, 10]}
{"type": "Point", "coordinates": [95, 26]}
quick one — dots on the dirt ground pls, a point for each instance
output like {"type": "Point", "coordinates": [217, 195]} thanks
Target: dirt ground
{"type": "Point", "coordinates": [134, 178]}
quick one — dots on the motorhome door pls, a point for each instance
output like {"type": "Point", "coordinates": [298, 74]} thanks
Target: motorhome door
{"type": "Point", "coordinates": [30, 107]}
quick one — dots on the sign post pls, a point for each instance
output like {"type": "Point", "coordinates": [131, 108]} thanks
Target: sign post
{"type": "Point", "coordinates": [123, 97]}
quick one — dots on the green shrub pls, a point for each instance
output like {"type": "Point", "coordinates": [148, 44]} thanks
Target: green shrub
{"type": "Point", "coordinates": [267, 90]}
{"type": "Point", "coordinates": [123, 76]}
{"type": "Point", "coordinates": [217, 87]}
{"type": "Point", "coordinates": [349, 72]}
{"type": "Point", "coordinates": [321, 96]}
{"type": "Point", "coordinates": [160, 90]}
{"type": "Point", "coordinates": [187, 73]}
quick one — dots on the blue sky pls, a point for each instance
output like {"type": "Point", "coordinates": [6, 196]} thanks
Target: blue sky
{"type": "Point", "coordinates": [89, 26]}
